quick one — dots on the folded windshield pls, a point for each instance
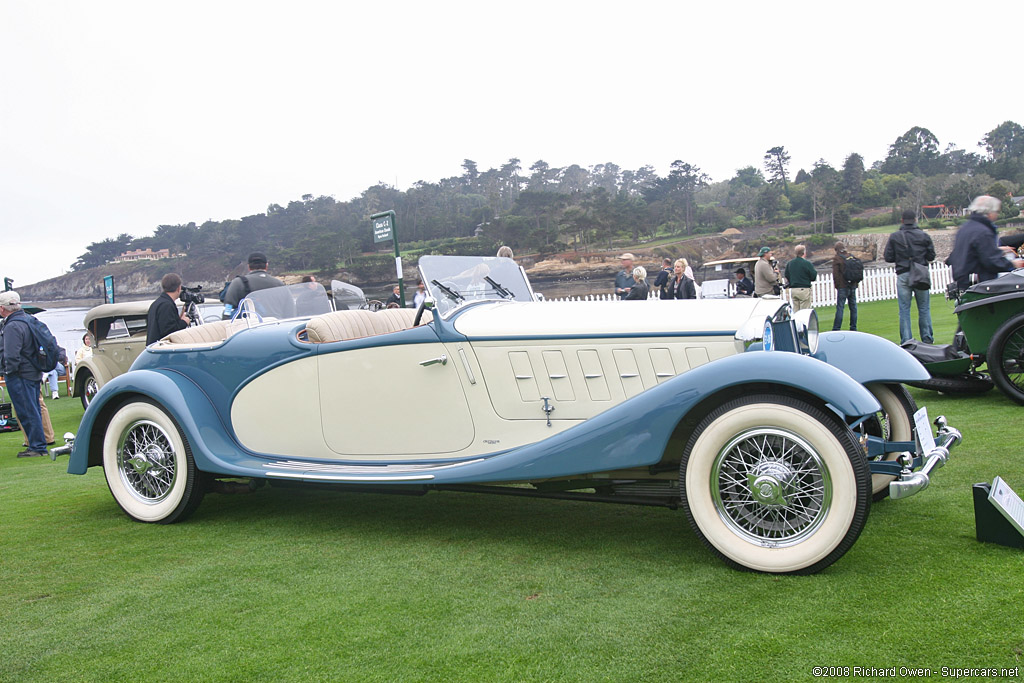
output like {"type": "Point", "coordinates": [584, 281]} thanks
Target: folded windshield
{"type": "Point", "coordinates": [454, 281]}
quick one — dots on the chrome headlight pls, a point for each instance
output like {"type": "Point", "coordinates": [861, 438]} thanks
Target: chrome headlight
{"type": "Point", "coordinates": [807, 330]}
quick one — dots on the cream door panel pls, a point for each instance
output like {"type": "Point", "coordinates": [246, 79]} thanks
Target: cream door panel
{"type": "Point", "coordinates": [279, 412]}
{"type": "Point", "coordinates": [371, 398]}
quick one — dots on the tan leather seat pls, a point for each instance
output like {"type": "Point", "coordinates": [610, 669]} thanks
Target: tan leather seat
{"type": "Point", "coordinates": [342, 325]}
{"type": "Point", "coordinates": [205, 334]}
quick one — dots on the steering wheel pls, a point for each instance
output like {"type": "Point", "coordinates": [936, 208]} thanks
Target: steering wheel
{"type": "Point", "coordinates": [374, 305]}
{"type": "Point", "coordinates": [419, 313]}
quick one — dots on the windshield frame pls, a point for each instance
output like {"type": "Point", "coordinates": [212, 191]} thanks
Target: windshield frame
{"type": "Point", "coordinates": [456, 281]}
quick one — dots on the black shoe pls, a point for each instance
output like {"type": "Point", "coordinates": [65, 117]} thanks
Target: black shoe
{"type": "Point", "coordinates": [51, 443]}
{"type": "Point", "coordinates": [31, 454]}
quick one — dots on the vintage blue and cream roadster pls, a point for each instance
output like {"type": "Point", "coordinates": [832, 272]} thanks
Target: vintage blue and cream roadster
{"type": "Point", "coordinates": [773, 439]}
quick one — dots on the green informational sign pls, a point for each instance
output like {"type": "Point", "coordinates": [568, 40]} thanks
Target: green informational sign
{"type": "Point", "coordinates": [385, 227]}
{"type": "Point", "coordinates": [382, 228]}
{"type": "Point", "coordinates": [108, 289]}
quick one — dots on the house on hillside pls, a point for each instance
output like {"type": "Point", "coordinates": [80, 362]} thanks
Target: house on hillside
{"type": "Point", "coordinates": [146, 254]}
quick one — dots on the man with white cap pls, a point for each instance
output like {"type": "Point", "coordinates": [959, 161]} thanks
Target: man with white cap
{"type": "Point", "coordinates": [22, 377]}
{"type": "Point", "coordinates": [624, 278]}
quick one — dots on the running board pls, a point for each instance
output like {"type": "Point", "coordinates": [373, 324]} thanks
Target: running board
{"type": "Point", "coordinates": [305, 471]}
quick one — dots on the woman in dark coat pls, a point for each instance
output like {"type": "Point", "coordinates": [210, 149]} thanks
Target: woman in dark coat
{"type": "Point", "coordinates": [682, 286]}
{"type": "Point", "coordinates": [641, 289]}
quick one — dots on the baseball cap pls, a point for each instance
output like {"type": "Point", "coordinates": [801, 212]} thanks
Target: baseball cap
{"type": "Point", "coordinates": [257, 258]}
{"type": "Point", "coordinates": [764, 250]}
{"type": "Point", "coordinates": [8, 298]}
{"type": "Point", "coordinates": [627, 255]}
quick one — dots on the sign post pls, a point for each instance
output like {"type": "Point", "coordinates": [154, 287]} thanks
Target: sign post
{"type": "Point", "coordinates": [385, 227]}
{"type": "Point", "coordinates": [108, 289]}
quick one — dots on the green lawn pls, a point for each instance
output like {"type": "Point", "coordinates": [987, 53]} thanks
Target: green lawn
{"type": "Point", "coordinates": [318, 585]}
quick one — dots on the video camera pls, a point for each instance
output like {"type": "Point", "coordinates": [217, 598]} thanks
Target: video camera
{"type": "Point", "coordinates": [192, 295]}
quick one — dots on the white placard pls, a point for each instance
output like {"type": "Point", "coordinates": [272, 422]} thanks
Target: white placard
{"type": "Point", "coordinates": [924, 430]}
{"type": "Point", "coordinates": [1006, 500]}
{"type": "Point", "coordinates": [398, 266]}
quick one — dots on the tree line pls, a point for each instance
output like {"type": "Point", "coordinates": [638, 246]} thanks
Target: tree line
{"type": "Point", "coordinates": [547, 209]}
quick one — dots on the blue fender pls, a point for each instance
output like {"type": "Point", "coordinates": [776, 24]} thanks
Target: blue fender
{"type": "Point", "coordinates": [631, 434]}
{"type": "Point", "coordinates": [184, 401]}
{"type": "Point", "coordinates": [636, 432]}
{"type": "Point", "coordinates": [868, 358]}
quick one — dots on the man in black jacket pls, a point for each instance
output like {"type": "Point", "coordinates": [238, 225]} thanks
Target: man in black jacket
{"type": "Point", "coordinates": [163, 317]}
{"type": "Point", "coordinates": [911, 244]}
{"type": "Point", "coordinates": [975, 251]}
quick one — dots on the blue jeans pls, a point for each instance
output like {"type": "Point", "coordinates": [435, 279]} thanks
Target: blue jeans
{"type": "Point", "coordinates": [51, 377]}
{"type": "Point", "coordinates": [842, 296]}
{"type": "Point", "coordinates": [924, 309]}
{"type": "Point", "coordinates": [25, 397]}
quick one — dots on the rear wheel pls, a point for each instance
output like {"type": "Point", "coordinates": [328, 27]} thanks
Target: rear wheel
{"type": "Point", "coordinates": [774, 484]}
{"type": "Point", "coordinates": [1006, 358]}
{"type": "Point", "coordinates": [894, 422]}
{"type": "Point", "coordinates": [149, 466]}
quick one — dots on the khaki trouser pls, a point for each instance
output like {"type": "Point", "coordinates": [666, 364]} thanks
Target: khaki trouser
{"type": "Point", "coordinates": [47, 425]}
{"type": "Point", "coordinates": [801, 298]}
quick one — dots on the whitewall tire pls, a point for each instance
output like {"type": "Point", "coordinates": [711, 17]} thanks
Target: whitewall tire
{"type": "Point", "coordinates": [148, 465]}
{"type": "Point", "coordinates": [775, 484]}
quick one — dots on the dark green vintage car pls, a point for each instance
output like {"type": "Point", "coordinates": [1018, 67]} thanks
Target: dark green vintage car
{"type": "Point", "coordinates": [991, 316]}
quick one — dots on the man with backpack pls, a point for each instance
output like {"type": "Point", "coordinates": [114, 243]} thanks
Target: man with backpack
{"type": "Point", "coordinates": [847, 273]}
{"type": "Point", "coordinates": [243, 285]}
{"type": "Point", "coordinates": [19, 353]}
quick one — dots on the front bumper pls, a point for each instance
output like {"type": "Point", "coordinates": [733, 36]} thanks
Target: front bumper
{"type": "Point", "coordinates": [909, 482]}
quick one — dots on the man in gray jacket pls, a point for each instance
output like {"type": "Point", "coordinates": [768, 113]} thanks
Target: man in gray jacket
{"type": "Point", "coordinates": [911, 244]}
{"type": "Point", "coordinates": [21, 376]}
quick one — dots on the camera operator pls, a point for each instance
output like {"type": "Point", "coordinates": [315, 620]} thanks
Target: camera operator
{"type": "Point", "coordinates": [163, 317]}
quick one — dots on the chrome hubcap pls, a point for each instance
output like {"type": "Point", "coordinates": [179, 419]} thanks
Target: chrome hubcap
{"type": "Point", "coordinates": [771, 487]}
{"type": "Point", "coordinates": [145, 461]}
{"type": "Point", "coordinates": [90, 389]}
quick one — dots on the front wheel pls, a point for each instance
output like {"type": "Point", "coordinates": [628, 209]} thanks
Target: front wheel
{"type": "Point", "coordinates": [149, 466]}
{"type": "Point", "coordinates": [1006, 358]}
{"type": "Point", "coordinates": [774, 484]}
{"type": "Point", "coordinates": [89, 388]}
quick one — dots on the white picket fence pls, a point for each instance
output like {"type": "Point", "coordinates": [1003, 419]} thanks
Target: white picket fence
{"type": "Point", "coordinates": [879, 284]}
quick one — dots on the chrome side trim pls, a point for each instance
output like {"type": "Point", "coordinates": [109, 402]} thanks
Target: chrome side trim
{"type": "Point", "coordinates": [339, 469]}
{"type": "Point", "coordinates": [339, 477]}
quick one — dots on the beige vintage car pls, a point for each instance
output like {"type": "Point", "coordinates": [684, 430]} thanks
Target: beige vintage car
{"type": "Point", "coordinates": [118, 336]}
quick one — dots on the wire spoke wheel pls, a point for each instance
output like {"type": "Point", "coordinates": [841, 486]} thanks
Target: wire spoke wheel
{"type": "Point", "coordinates": [1006, 358]}
{"type": "Point", "coordinates": [771, 486]}
{"type": "Point", "coordinates": [146, 462]}
{"type": "Point", "coordinates": [775, 484]}
{"type": "Point", "coordinates": [89, 391]}
{"type": "Point", "coordinates": [149, 466]}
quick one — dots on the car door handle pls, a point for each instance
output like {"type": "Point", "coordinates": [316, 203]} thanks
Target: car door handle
{"type": "Point", "coordinates": [442, 359]}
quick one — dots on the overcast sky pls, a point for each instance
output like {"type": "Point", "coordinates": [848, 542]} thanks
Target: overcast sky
{"type": "Point", "coordinates": [121, 116]}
